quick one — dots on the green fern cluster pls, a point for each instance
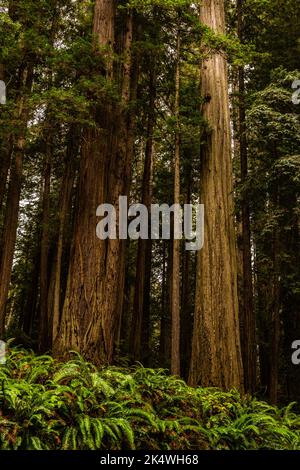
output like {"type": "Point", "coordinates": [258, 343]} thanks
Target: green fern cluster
{"type": "Point", "coordinates": [45, 404]}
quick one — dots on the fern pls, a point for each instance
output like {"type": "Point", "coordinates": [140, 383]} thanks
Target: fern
{"type": "Point", "coordinates": [73, 406]}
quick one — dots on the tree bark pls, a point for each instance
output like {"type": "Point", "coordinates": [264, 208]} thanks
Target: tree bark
{"type": "Point", "coordinates": [94, 294]}
{"type": "Point", "coordinates": [175, 294]}
{"type": "Point", "coordinates": [248, 322]}
{"type": "Point", "coordinates": [216, 351]}
{"type": "Point", "coordinates": [13, 197]}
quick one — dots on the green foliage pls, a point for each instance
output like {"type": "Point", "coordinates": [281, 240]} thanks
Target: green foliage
{"type": "Point", "coordinates": [45, 404]}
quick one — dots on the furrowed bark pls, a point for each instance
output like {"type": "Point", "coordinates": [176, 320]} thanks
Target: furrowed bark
{"type": "Point", "coordinates": [94, 296]}
{"type": "Point", "coordinates": [216, 351]}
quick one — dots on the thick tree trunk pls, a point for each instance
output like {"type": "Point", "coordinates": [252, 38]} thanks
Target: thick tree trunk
{"type": "Point", "coordinates": [10, 227]}
{"type": "Point", "coordinates": [6, 150]}
{"type": "Point", "coordinates": [216, 351]}
{"type": "Point", "coordinates": [119, 171]}
{"type": "Point", "coordinates": [248, 330]}
{"type": "Point", "coordinates": [175, 293]}
{"type": "Point", "coordinates": [13, 197]}
{"type": "Point", "coordinates": [94, 294]}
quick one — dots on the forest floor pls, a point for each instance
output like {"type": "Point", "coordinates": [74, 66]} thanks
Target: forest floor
{"type": "Point", "coordinates": [45, 404]}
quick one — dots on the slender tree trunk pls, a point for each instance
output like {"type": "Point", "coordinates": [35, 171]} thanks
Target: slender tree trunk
{"type": "Point", "coordinates": [248, 332]}
{"type": "Point", "coordinates": [275, 302]}
{"type": "Point", "coordinates": [142, 267]}
{"type": "Point", "coordinates": [146, 325]}
{"type": "Point", "coordinates": [186, 318]}
{"type": "Point", "coordinates": [166, 323]}
{"type": "Point", "coordinates": [175, 295]}
{"type": "Point", "coordinates": [275, 324]}
{"type": "Point", "coordinates": [30, 304]}
{"type": "Point", "coordinates": [55, 288]}
{"type": "Point", "coordinates": [44, 266]}
{"type": "Point", "coordinates": [13, 197]}
{"type": "Point", "coordinates": [162, 348]}
{"type": "Point", "coordinates": [216, 351]}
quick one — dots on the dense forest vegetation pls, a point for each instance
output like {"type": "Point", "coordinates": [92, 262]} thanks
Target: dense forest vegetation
{"type": "Point", "coordinates": [165, 102]}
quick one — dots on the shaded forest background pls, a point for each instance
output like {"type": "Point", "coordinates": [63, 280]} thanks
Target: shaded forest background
{"type": "Point", "coordinates": [113, 98]}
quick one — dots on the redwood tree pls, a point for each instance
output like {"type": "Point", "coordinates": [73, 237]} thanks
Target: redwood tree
{"type": "Point", "coordinates": [94, 296]}
{"type": "Point", "coordinates": [216, 353]}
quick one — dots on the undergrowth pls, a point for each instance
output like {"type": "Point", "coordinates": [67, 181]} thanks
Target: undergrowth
{"type": "Point", "coordinates": [45, 404]}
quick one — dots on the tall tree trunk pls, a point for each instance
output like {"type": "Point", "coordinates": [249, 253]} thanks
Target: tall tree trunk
{"type": "Point", "coordinates": [13, 197]}
{"type": "Point", "coordinates": [119, 169]}
{"type": "Point", "coordinates": [175, 294]}
{"type": "Point", "coordinates": [166, 324]}
{"type": "Point", "coordinates": [216, 351]}
{"type": "Point", "coordinates": [44, 266]}
{"type": "Point", "coordinates": [6, 150]}
{"type": "Point", "coordinates": [94, 294]}
{"type": "Point", "coordinates": [30, 304]}
{"type": "Point", "coordinates": [54, 296]}
{"type": "Point", "coordinates": [162, 348]}
{"type": "Point", "coordinates": [275, 323]}
{"type": "Point", "coordinates": [248, 322]}
{"type": "Point", "coordinates": [186, 318]}
{"type": "Point", "coordinates": [146, 325]}
{"type": "Point", "coordinates": [142, 266]}
{"type": "Point", "coordinates": [275, 304]}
